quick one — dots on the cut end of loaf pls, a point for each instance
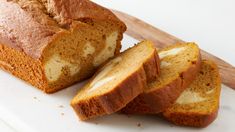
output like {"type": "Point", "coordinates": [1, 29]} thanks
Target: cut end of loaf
{"type": "Point", "coordinates": [198, 104]}
{"type": "Point", "coordinates": [77, 54]}
{"type": "Point", "coordinates": [55, 65]}
{"type": "Point", "coordinates": [108, 50]}
{"type": "Point", "coordinates": [117, 83]}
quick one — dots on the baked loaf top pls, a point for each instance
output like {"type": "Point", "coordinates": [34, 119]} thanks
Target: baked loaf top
{"type": "Point", "coordinates": [118, 82]}
{"type": "Point", "coordinates": [29, 25]}
{"type": "Point", "coordinates": [180, 64]}
{"type": "Point", "coordinates": [198, 105]}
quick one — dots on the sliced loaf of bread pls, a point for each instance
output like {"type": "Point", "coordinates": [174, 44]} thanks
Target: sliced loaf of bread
{"type": "Point", "coordinates": [180, 64]}
{"type": "Point", "coordinates": [198, 105]}
{"type": "Point", "coordinates": [118, 82]}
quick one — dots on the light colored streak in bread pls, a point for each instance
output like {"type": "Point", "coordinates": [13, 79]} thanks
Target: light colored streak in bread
{"type": "Point", "coordinates": [189, 97]}
{"type": "Point", "coordinates": [109, 49]}
{"type": "Point", "coordinates": [103, 73]}
{"type": "Point", "coordinates": [88, 49]}
{"type": "Point", "coordinates": [164, 64]}
{"type": "Point", "coordinates": [210, 91]}
{"type": "Point", "coordinates": [101, 83]}
{"type": "Point", "coordinates": [54, 66]}
{"type": "Point", "coordinates": [171, 52]}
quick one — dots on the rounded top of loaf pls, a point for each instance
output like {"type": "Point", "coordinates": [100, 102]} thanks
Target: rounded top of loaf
{"type": "Point", "coordinates": [30, 25]}
{"type": "Point", "coordinates": [68, 10]}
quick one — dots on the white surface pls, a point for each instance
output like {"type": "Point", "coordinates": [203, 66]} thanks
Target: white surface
{"type": "Point", "coordinates": [208, 22]}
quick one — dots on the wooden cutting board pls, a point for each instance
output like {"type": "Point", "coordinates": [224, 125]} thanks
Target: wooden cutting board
{"type": "Point", "coordinates": [140, 30]}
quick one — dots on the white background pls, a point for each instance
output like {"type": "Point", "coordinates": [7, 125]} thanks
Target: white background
{"type": "Point", "coordinates": [210, 23]}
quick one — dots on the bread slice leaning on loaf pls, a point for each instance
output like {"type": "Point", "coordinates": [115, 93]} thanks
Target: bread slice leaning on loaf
{"type": "Point", "coordinates": [118, 82]}
{"type": "Point", "coordinates": [180, 64]}
{"type": "Point", "coordinates": [198, 105]}
{"type": "Point", "coordinates": [52, 44]}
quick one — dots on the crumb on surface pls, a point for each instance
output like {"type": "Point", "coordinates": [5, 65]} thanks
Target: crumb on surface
{"type": "Point", "coordinates": [138, 124]}
{"type": "Point", "coordinates": [61, 106]}
{"type": "Point", "coordinates": [171, 125]}
{"type": "Point", "coordinates": [35, 98]}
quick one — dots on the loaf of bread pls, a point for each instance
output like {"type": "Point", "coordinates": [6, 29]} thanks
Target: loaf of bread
{"type": "Point", "coordinates": [180, 64]}
{"type": "Point", "coordinates": [52, 44]}
{"type": "Point", "coordinates": [198, 105]}
{"type": "Point", "coordinates": [118, 82]}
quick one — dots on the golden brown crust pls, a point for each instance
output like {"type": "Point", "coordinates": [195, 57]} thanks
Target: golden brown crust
{"type": "Point", "coordinates": [15, 62]}
{"type": "Point", "coordinates": [148, 67]}
{"type": "Point", "coordinates": [69, 10]}
{"type": "Point", "coordinates": [191, 119]}
{"type": "Point", "coordinates": [158, 100]}
{"type": "Point", "coordinates": [120, 95]}
{"type": "Point", "coordinates": [39, 29]}
{"type": "Point", "coordinates": [30, 37]}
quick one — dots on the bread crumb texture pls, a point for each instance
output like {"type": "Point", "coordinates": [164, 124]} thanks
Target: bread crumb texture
{"type": "Point", "coordinates": [198, 104]}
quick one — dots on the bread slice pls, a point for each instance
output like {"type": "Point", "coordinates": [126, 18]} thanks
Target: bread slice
{"type": "Point", "coordinates": [118, 82]}
{"type": "Point", "coordinates": [180, 64]}
{"type": "Point", "coordinates": [53, 44]}
{"type": "Point", "coordinates": [198, 105]}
